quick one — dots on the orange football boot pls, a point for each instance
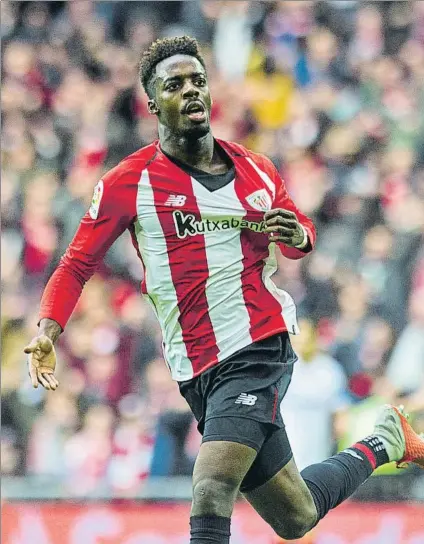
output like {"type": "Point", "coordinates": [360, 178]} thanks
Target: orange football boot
{"type": "Point", "coordinates": [403, 445]}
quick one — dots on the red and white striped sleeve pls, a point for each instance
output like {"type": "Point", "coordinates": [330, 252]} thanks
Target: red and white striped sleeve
{"type": "Point", "coordinates": [112, 211]}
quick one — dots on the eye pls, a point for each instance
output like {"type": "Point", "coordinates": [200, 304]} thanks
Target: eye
{"type": "Point", "coordinates": [200, 82]}
{"type": "Point", "coordinates": [172, 86]}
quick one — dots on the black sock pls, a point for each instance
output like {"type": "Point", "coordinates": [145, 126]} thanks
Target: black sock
{"type": "Point", "coordinates": [373, 449]}
{"type": "Point", "coordinates": [209, 530]}
{"type": "Point", "coordinates": [336, 478]}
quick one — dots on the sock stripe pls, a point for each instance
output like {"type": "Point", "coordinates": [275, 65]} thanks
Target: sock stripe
{"type": "Point", "coordinates": [369, 454]}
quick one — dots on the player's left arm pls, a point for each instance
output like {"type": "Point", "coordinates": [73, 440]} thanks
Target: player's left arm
{"type": "Point", "coordinates": [292, 230]}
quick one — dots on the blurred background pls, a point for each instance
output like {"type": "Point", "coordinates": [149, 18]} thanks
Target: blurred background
{"type": "Point", "coordinates": [333, 93]}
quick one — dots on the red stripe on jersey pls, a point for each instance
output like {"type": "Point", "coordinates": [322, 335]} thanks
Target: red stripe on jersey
{"type": "Point", "coordinates": [189, 275]}
{"type": "Point", "coordinates": [264, 310]}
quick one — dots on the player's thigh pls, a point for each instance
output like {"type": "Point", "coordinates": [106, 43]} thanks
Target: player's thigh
{"type": "Point", "coordinates": [229, 447]}
{"type": "Point", "coordinates": [219, 469]}
{"type": "Point", "coordinates": [284, 500]}
{"type": "Point", "coordinates": [223, 460]}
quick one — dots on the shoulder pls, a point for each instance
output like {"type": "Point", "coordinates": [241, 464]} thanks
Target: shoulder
{"type": "Point", "coordinates": [233, 148]}
{"type": "Point", "coordinates": [128, 171]}
{"type": "Point", "coordinates": [116, 192]}
{"type": "Point", "coordinates": [237, 150]}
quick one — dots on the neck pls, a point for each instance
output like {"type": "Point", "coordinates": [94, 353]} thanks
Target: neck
{"type": "Point", "coordinates": [197, 152]}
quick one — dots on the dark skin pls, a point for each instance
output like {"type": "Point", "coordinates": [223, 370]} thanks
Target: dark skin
{"type": "Point", "coordinates": [284, 501]}
{"type": "Point", "coordinates": [179, 81]}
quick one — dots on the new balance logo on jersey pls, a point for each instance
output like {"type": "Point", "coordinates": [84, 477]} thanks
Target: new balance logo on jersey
{"type": "Point", "coordinates": [187, 225]}
{"type": "Point", "coordinates": [176, 200]}
{"type": "Point", "coordinates": [248, 400]}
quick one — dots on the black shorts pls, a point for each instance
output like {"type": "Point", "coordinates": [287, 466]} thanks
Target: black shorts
{"type": "Point", "coordinates": [239, 400]}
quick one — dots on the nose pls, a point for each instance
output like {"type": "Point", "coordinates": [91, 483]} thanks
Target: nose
{"type": "Point", "coordinates": [189, 89]}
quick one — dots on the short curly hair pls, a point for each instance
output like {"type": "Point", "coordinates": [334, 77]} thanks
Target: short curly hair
{"type": "Point", "coordinates": [162, 49]}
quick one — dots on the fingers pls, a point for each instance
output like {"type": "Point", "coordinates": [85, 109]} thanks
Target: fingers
{"type": "Point", "coordinates": [32, 373]}
{"type": "Point", "coordinates": [45, 377]}
{"type": "Point", "coordinates": [52, 381]}
{"type": "Point", "coordinates": [39, 351]}
{"type": "Point", "coordinates": [47, 380]}
{"type": "Point", "coordinates": [43, 381]}
{"type": "Point", "coordinates": [279, 233]}
{"type": "Point", "coordinates": [282, 226]}
{"type": "Point", "coordinates": [282, 231]}
{"type": "Point", "coordinates": [288, 241]}
{"type": "Point", "coordinates": [278, 220]}
{"type": "Point", "coordinates": [286, 214]}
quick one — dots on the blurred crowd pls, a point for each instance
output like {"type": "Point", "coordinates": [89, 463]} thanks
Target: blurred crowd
{"type": "Point", "coordinates": [333, 93]}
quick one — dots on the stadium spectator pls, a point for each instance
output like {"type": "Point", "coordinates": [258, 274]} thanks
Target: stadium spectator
{"type": "Point", "coordinates": [308, 410]}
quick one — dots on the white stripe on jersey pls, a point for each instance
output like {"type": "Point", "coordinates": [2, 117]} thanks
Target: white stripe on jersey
{"type": "Point", "coordinates": [162, 295]}
{"type": "Point", "coordinates": [227, 308]}
{"type": "Point", "coordinates": [288, 307]}
{"type": "Point", "coordinates": [264, 176]}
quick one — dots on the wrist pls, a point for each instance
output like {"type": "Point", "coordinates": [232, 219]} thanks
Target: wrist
{"type": "Point", "coordinates": [304, 242]}
{"type": "Point", "coordinates": [50, 328]}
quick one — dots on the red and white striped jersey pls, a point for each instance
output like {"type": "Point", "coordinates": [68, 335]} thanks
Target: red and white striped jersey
{"type": "Point", "coordinates": [207, 262]}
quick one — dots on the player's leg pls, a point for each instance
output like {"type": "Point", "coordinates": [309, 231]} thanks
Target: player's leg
{"type": "Point", "coordinates": [220, 467]}
{"type": "Point", "coordinates": [292, 502]}
{"type": "Point", "coordinates": [235, 404]}
{"type": "Point", "coordinates": [276, 490]}
{"type": "Point", "coordinates": [229, 446]}
{"type": "Point", "coordinates": [285, 502]}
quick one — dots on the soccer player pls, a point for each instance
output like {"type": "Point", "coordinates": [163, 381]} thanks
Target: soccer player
{"type": "Point", "coordinates": [205, 217]}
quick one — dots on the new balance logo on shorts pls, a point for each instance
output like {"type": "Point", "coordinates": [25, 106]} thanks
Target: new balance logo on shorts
{"type": "Point", "coordinates": [176, 200]}
{"type": "Point", "coordinates": [248, 400]}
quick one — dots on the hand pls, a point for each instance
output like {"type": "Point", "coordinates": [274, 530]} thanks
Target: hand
{"type": "Point", "coordinates": [42, 362]}
{"type": "Point", "coordinates": [283, 226]}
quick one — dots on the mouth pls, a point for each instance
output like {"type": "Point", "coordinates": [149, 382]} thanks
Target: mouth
{"type": "Point", "coordinates": [195, 111]}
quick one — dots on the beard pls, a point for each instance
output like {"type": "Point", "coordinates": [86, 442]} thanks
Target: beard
{"type": "Point", "coordinates": [195, 131]}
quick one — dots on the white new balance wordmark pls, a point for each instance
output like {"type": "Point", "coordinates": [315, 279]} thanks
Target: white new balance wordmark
{"type": "Point", "coordinates": [160, 286]}
{"type": "Point", "coordinates": [248, 400]}
{"type": "Point", "coordinates": [176, 200]}
{"type": "Point", "coordinates": [227, 307]}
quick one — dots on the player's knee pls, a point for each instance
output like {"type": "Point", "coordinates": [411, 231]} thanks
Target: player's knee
{"type": "Point", "coordinates": [214, 496]}
{"type": "Point", "coordinates": [296, 526]}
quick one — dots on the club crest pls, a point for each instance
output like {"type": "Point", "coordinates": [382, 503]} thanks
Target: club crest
{"type": "Point", "coordinates": [260, 200]}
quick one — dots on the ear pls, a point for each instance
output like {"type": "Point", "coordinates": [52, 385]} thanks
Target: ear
{"type": "Point", "coordinates": [152, 107]}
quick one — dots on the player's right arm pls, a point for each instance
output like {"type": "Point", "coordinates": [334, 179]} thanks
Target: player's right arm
{"type": "Point", "coordinates": [110, 214]}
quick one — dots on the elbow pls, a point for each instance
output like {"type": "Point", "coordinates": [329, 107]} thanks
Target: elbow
{"type": "Point", "coordinates": [80, 270]}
